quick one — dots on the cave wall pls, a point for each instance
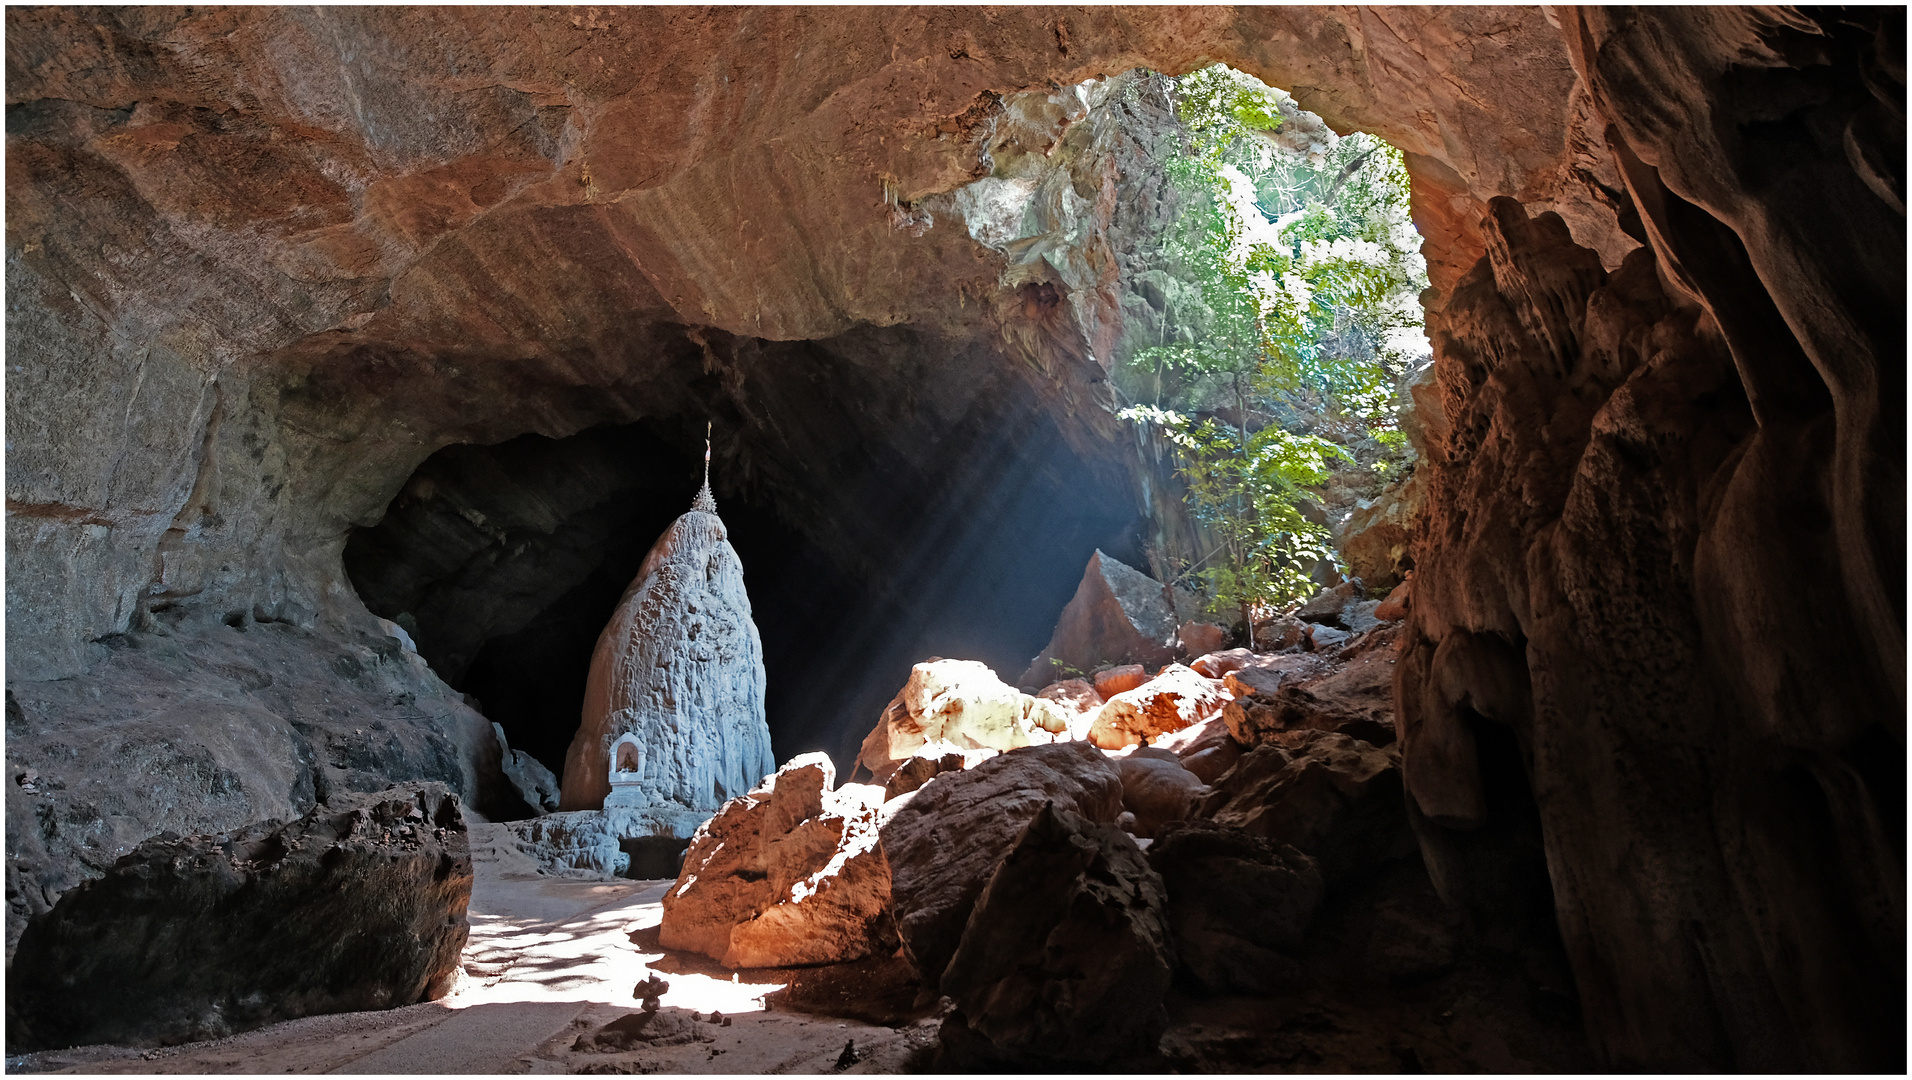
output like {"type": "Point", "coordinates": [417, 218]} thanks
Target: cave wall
{"type": "Point", "coordinates": [1665, 545]}
{"type": "Point", "coordinates": [263, 262]}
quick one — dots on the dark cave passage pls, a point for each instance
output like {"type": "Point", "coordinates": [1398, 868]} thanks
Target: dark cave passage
{"type": "Point", "coordinates": [505, 562]}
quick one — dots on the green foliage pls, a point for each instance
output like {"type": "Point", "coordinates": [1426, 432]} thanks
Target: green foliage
{"type": "Point", "coordinates": [1248, 494]}
{"type": "Point", "coordinates": [1296, 278]}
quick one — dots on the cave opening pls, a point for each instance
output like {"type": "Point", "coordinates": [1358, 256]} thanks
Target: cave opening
{"type": "Point", "coordinates": [949, 528]}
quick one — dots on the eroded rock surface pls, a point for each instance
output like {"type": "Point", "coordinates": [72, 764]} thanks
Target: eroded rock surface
{"type": "Point", "coordinates": [215, 729]}
{"type": "Point", "coordinates": [360, 904]}
{"type": "Point", "coordinates": [1118, 615]}
{"type": "Point", "coordinates": [1066, 956]}
{"type": "Point", "coordinates": [786, 875]}
{"type": "Point", "coordinates": [962, 705]}
{"type": "Point", "coordinates": [946, 841]}
{"type": "Point", "coordinates": [1238, 906]}
{"type": "Point", "coordinates": [253, 283]}
{"type": "Point", "coordinates": [1174, 699]}
{"type": "Point", "coordinates": [1336, 798]}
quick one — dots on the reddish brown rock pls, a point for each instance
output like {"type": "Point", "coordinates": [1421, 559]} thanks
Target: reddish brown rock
{"type": "Point", "coordinates": [1121, 679]}
{"type": "Point", "coordinates": [1169, 702]}
{"type": "Point", "coordinates": [790, 874]}
{"type": "Point", "coordinates": [944, 843]}
{"type": "Point", "coordinates": [1217, 665]}
{"type": "Point", "coordinates": [1205, 749]}
{"type": "Point", "coordinates": [1079, 695]}
{"type": "Point", "coordinates": [1066, 957]}
{"type": "Point", "coordinates": [1336, 798]}
{"type": "Point", "coordinates": [1394, 608]}
{"type": "Point", "coordinates": [1118, 615]}
{"type": "Point", "coordinates": [1199, 638]}
{"type": "Point", "coordinates": [1158, 790]}
{"type": "Point", "coordinates": [1238, 906]}
{"type": "Point", "coordinates": [1354, 695]}
{"type": "Point", "coordinates": [1267, 674]}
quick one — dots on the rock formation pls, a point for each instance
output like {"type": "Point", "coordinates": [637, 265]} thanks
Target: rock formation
{"type": "Point", "coordinates": [1336, 798]}
{"type": "Point", "coordinates": [1065, 957]}
{"type": "Point", "coordinates": [790, 873]}
{"type": "Point", "coordinates": [957, 705]}
{"type": "Point", "coordinates": [1174, 699]}
{"type": "Point", "coordinates": [264, 261]}
{"type": "Point", "coordinates": [360, 904]}
{"type": "Point", "coordinates": [680, 667]}
{"type": "Point", "coordinates": [1118, 615]}
{"type": "Point", "coordinates": [946, 841]}
{"type": "Point", "coordinates": [1238, 906]}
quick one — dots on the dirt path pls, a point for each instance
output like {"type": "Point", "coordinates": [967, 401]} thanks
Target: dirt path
{"type": "Point", "coordinates": [549, 961]}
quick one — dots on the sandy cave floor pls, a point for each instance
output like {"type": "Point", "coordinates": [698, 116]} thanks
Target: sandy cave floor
{"type": "Point", "coordinates": [553, 960]}
{"type": "Point", "coordinates": [549, 960]}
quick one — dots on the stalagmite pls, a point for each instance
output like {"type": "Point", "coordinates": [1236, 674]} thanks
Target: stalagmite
{"type": "Point", "coordinates": [680, 669]}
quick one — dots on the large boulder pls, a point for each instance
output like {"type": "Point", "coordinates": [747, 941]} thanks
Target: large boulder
{"type": "Point", "coordinates": [1118, 615]}
{"type": "Point", "coordinates": [947, 839]}
{"type": "Point", "coordinates": [1171, 701]}
{"type": "Point", "coordinates": [1065, 957]}
{"type": "Point", "coordinates": [360, 904]}
{"type": "Point", "coordinates": [1238, 905]}
{"type": "Point", "coordinates": [534, 784]}
{"type": "Point", "coordinates": [789, 874]}
{"type": "Point", "coordinates": [1299, 692]}
{"type": "Point", "coordinates": [957, 705]}
{"type": "Point", "coordinates": [680, 666]}
{"type": "Point", "coordinates": [1334, 797]}
{"type": "Point", "coordinates": [1158, 790]}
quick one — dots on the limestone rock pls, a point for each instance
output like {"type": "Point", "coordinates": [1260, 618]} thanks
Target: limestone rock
{"type": "Point", "coordinates": [1281, 634]}
{"type": "Point", "coordinates": [528, 776]}
{"type": "Point", "coordinates": [1333, 797]}
{"type": "Point", "coordinates": [1395, 607]}
{"type": "Point", "coordinates": [788, 874]}
{"type": "Point", "coordinates": [944, 843]}
{"type": "Point", "coordinates": [960, 703]}
{"type": "Point", "coordinates": [360, 904]}
{"type": "Point", "coordinates": [1119, 679]}
{"type": "Point", "coordinates": [1216, 665]}
{"type": "Point", "coordinates": [680, 667]}
{"type": "Point", "coordinates": [1300, 692]}
{"type": "Point", "coordinates": [1238, 905]}
{"type": "Point", "coordinates": [1065, 957]}
{"type": "Point", "coordinates": [1169, 702]}
{"type": "Point", "coordinates": [1158, 790]}
{"type": "Point", "coordinates": [1326, 639]}
{"type": "Point", "coordinates": [1267, 674]}
{"type": "Point", "coordinates": [1326, 606]}
{"type": "Point", "coordinates": [1198, 638]}
{"type": "Point", "coordinates": [1077, 695]}
{"type": "Point", "coordinates": [1206, 749]}
{"type": "Point", "coordinates": [1118, 615]}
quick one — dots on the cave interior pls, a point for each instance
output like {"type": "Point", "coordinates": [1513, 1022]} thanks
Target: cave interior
{"type": "Point", "coordinates": [318, 317]}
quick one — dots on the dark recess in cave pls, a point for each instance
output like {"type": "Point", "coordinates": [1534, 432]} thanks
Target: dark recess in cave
{"type": "Point", "coordinates": [507, 560]}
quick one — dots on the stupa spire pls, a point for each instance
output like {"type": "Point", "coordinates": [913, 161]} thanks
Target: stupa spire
{"type": "Point", "coordinates": [705, 501]}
